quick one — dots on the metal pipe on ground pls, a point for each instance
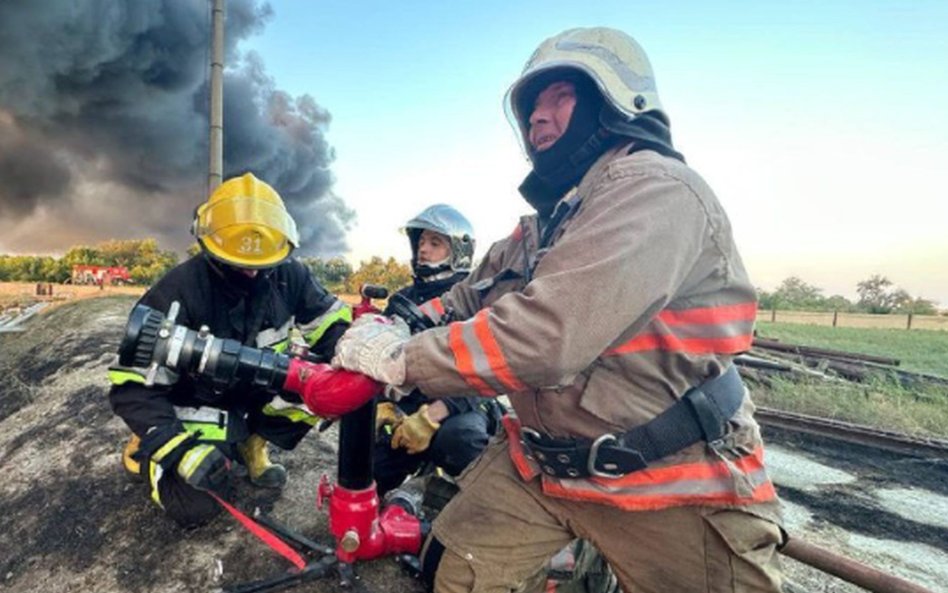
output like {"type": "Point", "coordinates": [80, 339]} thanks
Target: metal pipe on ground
{"type": "Point", "coordinates": [849, 570]}
{"type": "Point", "coordinates": [812, 351]}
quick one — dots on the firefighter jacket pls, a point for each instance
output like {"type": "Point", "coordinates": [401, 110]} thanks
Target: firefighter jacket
{"type": "Point", "coordinates": [420, 292]}
{"type": "Point", "coordinates": [631, 294]}
{"type": "Point", "coordinates": [260, 312]}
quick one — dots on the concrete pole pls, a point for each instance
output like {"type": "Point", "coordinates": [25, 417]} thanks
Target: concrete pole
{"type": "Point", "coordinates": [216, 161]}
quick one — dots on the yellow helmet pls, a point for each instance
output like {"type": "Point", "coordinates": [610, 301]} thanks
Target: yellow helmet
{"type": "Point", "coordinates": [244, 223]}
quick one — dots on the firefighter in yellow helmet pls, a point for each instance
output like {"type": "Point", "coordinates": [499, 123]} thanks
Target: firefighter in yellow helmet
{"type": "Point", "coordinates": [243, 285]}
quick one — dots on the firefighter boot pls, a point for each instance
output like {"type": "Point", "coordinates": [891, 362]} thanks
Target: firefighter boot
{"type": "Point", "coordinates": [132, 467]}
{"type": "Point", "coordinates": [262, 472]}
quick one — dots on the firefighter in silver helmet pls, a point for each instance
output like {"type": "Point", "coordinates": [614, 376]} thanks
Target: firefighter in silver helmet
{"type": "Point", "coordinates": [450, 432]}
{"type": "Point", "coordinates": [611, 319]}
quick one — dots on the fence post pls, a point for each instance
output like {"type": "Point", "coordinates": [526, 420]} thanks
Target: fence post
{"type": "Point", "coordinates": [835, 317]}
{"type": "Point", "coordinates": [908, 324]}
{"type": "Point", "coordinates": [773, 314]}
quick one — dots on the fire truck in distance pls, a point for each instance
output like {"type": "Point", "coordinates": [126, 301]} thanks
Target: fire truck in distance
{"type": "Point", "coordinates": [100, 275]}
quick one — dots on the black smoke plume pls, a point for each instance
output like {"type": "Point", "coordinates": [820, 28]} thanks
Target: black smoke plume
{"type": "Point", "coordinates": [103, 124]}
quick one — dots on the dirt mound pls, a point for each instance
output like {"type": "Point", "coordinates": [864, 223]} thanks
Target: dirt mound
{"type": "Point", "coordinates": [72, 521]}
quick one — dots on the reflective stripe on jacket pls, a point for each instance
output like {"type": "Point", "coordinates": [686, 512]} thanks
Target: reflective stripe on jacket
{"type": "Point", "coordinates": [637, 296]}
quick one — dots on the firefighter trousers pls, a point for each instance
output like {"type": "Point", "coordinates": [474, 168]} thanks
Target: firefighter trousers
{"type": "Point", "coordinates": [499, 531]}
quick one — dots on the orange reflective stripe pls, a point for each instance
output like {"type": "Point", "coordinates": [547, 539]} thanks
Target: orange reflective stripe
{"type": "Point", "coordinates": [710, 315]}
{"type": "Point", "coordinates": [527, 470]}
{"type": "Point", "coordinates": [691, 483]}
{"type": "Point", "coordinates": [495, 358]}
{"type": "Point", "coordinates": [463, 360]}
{"type": "Point", "coordinates": [433, 309]}
{"type": "Point", "coordinates": [671, 343]}
{"type": "Point", "coordinates": [762, 493]}
{"type": "Point", "coordinates": [724, 329]}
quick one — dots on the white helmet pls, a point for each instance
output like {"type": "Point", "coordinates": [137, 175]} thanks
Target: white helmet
{"type": "Point", "coordinates": [613, 60]}
{"type": "Point", "coordinates": [448, 221]}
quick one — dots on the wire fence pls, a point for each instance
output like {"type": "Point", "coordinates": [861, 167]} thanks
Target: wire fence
{"type": "Point", "coordinates": [863, 320]}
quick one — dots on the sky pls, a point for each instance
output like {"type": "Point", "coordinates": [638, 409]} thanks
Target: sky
{"type": "Point", "coordinates": [821, 126]}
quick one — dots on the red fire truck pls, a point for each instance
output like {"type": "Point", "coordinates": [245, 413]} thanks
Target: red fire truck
{"type": "Point", "coordinates": [100, 275]}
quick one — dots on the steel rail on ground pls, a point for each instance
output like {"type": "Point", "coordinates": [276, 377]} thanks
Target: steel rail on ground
{"type": "Point", "coordinates": [852, 433]}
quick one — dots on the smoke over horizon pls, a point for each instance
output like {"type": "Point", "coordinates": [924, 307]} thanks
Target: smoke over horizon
{"type": "Point", "coordinates": [103, 125]}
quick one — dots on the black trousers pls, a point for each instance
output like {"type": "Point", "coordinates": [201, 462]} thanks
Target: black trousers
{"type": "Point", "coordinates": [457, 443]}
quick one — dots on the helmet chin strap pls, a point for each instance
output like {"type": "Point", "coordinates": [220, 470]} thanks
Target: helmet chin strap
{"type": "Point", "coordinates": [429, 272]}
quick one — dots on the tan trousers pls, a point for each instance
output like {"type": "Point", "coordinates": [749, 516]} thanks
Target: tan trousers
{"type": "Point", "coordinates": [499, 531]}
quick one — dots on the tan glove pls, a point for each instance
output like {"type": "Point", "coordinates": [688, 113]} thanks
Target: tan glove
{"type": "Point", "coordinates": [374, 346]}
{"type": "Point", "coordinates": [387, 414]}
{"type": "Point", "coordinates": [415, 432]}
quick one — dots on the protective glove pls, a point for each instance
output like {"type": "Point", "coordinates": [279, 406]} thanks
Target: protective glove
{"type": "Point", "coordinates": [374, 346]}
{"type": "Point", "coordinates": [387, 414]}
{"type": "Point", "coordinates": [415, 432]}
{"type": "Point", "coordinates": [204, 467]}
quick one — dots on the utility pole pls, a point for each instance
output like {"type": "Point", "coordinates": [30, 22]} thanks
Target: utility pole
{"type": "Point", "coordinates": [216, 162]}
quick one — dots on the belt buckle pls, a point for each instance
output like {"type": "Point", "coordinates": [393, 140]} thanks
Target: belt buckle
{"type": "Point", "coordinates": [528, 435]}
{"type": "Point", "coordinates": [594, 453]}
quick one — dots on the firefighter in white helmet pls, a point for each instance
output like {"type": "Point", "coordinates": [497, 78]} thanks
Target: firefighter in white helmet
{"type": "Point", "coordinates": [611, 318]}
{"type": "Point", "coordinates": [243, 285]}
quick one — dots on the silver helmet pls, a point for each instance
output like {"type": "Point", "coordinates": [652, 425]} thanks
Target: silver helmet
{"type": "Point", "coordinates": [445, 220]}
{"type": "Point", "coordinates": [612, 59]}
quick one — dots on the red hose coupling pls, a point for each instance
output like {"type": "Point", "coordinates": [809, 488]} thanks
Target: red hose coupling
{"type": "Point", "coordinates": [361, 534]}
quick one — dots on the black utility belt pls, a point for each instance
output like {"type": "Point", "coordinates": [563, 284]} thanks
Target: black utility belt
{"type": "Point", "coordinates": [701, 414]}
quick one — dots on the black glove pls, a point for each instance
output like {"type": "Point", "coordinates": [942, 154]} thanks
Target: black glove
{"type": "Point", "coordinates": [204, 467]}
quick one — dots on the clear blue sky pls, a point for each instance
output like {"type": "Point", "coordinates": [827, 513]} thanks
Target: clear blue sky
{"type": "Point", "coordinates": [822, 126]}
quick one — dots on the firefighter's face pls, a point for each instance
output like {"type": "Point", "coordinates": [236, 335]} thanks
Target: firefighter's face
{"type": "Point", "coordinates": [551, 113]}
{"type": "Point", "coordinates": [433, 247]}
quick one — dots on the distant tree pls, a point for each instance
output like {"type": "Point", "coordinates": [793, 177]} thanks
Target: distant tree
{"type": "Point", "coordinates": [388, 273]}
{"type": "Point", "coordinates": [794, 293]}
{"type": "Point", "coordinates": [919, 306]}
{"type": "Point", "coordinates": [875, 294]}
{"type": "Point", "coordinates": [839, 303]}
{"type": "Point", "coordinates": [332, 273]}
{"type": "Point", "coordinates": [83, 255]}
{"type": "Point", "coordinates": [194, 249]}
{"type": "Point", "coordinates": [765, 299]}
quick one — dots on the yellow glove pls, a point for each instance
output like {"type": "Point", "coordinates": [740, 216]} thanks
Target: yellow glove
{"type": "Point", "coordinates": [414, 433]}
{"type": "Point", "coordinates": [387, 414]}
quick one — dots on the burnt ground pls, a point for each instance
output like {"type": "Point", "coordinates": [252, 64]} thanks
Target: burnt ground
{"type": "Point", "coordinates": [849, 511]}
{"type": "Point", "coordinates": [69, 517]}
{"type": "Point", "coordinates": [851, 506]}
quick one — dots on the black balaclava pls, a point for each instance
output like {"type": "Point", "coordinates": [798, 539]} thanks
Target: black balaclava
{"type": "Point", "coordinates": [594, 127]}
{"type": "Point", "coordinates": [233, 278]}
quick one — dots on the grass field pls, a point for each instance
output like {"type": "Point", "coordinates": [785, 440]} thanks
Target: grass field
{"type": "Point", "coordinates": [13, 294]}
{"type": "Point", "coordinates": [881, 402]}
{"type": "Point", "coordinates": [920, 351]}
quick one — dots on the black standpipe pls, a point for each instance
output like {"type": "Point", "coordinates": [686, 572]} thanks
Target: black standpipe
{"type": "Point", "coordinates": [356, 444]}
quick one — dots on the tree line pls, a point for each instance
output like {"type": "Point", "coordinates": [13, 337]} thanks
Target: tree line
{"type": "Point", "coordinates": [877, 295]}
{"type": "Point", "coordinates": [146, 263]}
